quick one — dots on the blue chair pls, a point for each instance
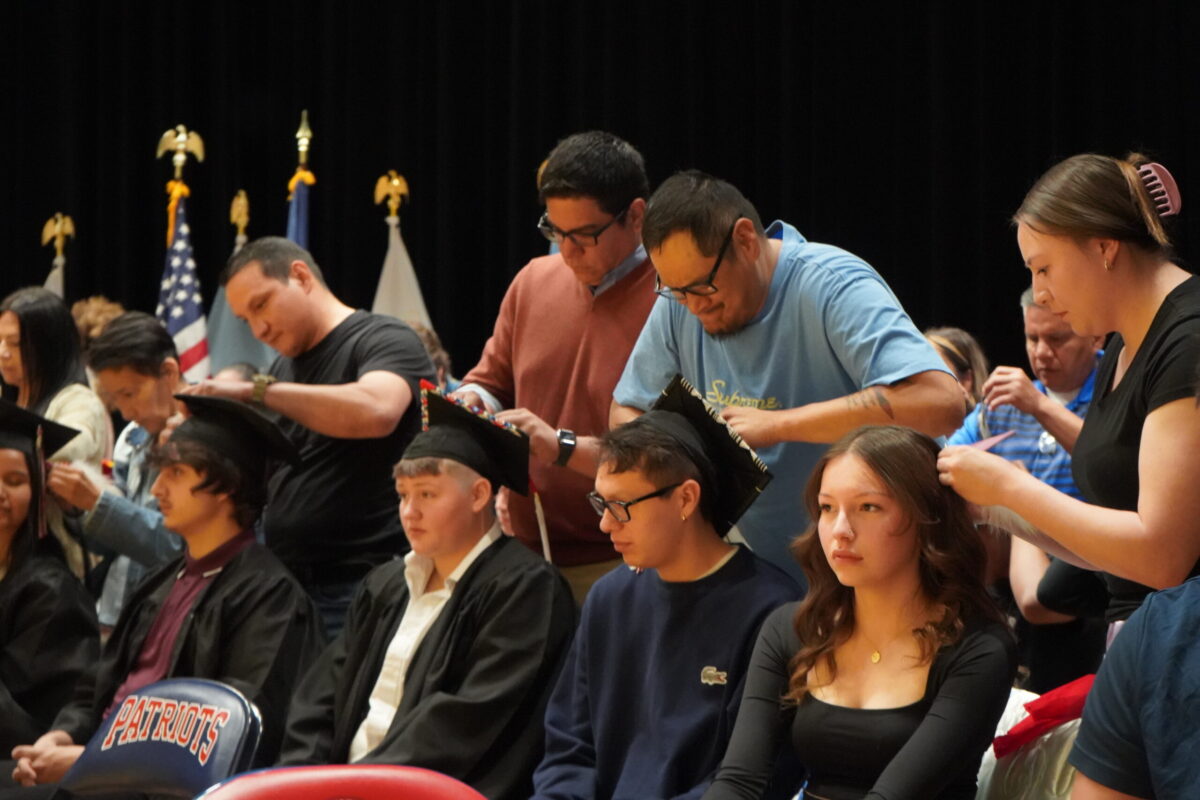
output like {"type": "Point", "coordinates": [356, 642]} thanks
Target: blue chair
{"type": "Point", "coordinates": [174, 738]}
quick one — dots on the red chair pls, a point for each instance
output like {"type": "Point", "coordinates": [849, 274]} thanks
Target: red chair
{"type": "Point", "coordinates": [360, 781]}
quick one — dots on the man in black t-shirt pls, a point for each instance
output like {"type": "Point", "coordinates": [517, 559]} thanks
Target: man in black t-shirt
{"type": "Point", "coordinates": [344, 384]}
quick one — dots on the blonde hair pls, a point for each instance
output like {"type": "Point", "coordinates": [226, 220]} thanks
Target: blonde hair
{"type": "Point", "coordinates": [92, 314]}
{"type": "Point", "coordinates": [964, 353]}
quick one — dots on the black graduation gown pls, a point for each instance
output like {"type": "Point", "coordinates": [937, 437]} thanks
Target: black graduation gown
{"type": "Point", "coordinates": [48, 637]}
{"type": "Point", "coordinates": [253, 627]}
{"type": "Point", "coordinates": [476, 690]}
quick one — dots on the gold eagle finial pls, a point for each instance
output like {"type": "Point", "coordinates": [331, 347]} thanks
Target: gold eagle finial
{"type": "Point", "coordinates": [239, 212]}
{"type": "Point", "coordinates": [56, 230]}
{"type": "Point", "coordinates": [391, 187]}
{"type": "Point", "coordinates": [181, 141]}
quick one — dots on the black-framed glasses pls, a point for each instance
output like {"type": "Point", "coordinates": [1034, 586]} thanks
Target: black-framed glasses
{"type": "Point", "coordinates": [699, 288]}
{"type": "Point", "coordinates": [579, 238]}
{"type": "Point", "coordinates": [620, 508]}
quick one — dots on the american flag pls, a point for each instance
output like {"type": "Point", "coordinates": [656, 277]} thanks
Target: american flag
{"type": "Point", "coordinates": [180, 306]}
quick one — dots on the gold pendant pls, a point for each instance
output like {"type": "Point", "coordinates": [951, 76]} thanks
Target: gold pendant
{"type": "Point", "coordinates": [875, 657]}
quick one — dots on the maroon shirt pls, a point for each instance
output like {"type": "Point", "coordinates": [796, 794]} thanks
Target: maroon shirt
{"type": "Point", "coordinates": [154, 660]}
{"type": "Point", "coordinates": [558, 350]}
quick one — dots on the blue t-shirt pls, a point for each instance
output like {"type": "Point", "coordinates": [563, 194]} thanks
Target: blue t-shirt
{"type": "Point", "coordinates": [1140, 734]}
{"type": "Point", "coordinates": [1042, 455]}
{"type": "Point", "coordinates": [830, 327]}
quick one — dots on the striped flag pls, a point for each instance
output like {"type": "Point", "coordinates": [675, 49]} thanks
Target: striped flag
{"type": "Point", "coordinates": [180, 306]}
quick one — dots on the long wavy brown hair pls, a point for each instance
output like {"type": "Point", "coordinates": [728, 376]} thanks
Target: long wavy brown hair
{"type": "Point", "coordinates": [951, 560]}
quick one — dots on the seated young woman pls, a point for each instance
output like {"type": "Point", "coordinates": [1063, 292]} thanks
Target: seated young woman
{"type": "Point", "coordinates": [48, 633]}
{"type": "Point", "coordinates": [888, 679]}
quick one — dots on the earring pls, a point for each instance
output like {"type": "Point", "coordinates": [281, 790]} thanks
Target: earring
{"type": "Point", "coordinates": [682, 517]}
{"type": "Point", "coordinates": [1107, 266]}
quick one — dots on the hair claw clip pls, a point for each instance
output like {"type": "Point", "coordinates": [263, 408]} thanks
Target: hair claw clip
{"type": "Point", "coordinates": [1164, 192]}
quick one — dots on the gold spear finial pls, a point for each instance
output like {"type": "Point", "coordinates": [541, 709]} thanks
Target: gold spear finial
{"type": "Point", "coordinates": [239, 212]}
{"type": "Point", "coordinates": [391, 187]}
{"type": "Point", "coordinates": [304, 137]}
{"type": "Point", "coordinates": [56, 230]}
{"type": "Point", "coordinates": [182, 141]}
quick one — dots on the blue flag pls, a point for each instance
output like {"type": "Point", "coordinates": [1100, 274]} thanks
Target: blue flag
{"type": "Point", "coordinates": [229, 338]}
{"type": "Point", "coordinates": [179, 302]}
{"type": "Point", "coordinates": [297, 229]}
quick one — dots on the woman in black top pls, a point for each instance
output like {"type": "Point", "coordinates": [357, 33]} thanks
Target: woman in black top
{"type": "Point", "coordinates": [1091, 233]}
{"type": "Point", "coordinates": [48, 633]}
{"type": "Point", "coordinates": [891, 674]}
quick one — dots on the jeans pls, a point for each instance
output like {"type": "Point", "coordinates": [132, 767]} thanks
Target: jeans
{"type": "Point", "coordinates": [333, 602]}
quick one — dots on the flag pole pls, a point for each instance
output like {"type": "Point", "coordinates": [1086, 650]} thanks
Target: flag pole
{"type": "Point", "coordinates": [180, 304]}
{"type": "Point", "coordinates": [56, 230]}
{"type": "Point", "coordinates": [304, 137]}
{"type": "Point", "coordinates": [178, 141]}
{"type": "Point", "coordinates": [398, 293]}
{"type": "Point", "coordinates": [298, 186]}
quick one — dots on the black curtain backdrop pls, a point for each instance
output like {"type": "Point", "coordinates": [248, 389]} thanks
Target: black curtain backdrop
{"type": "Point", "coordinates": [906, 132]}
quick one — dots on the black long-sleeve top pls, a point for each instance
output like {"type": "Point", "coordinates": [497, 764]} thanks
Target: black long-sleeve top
{"type": "Point", "coordinates": [929, 750]}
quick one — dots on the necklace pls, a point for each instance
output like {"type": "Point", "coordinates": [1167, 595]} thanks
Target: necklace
{"type": "Point", "coordinates": [876, 651]}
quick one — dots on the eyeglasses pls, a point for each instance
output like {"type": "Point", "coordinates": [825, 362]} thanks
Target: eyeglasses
{"type": "Point", "coordinates": [700, 288]}
{"type": "Point", "coordinates": [578, 238]}
{"type": "Point", "coordinates": [620, 508]}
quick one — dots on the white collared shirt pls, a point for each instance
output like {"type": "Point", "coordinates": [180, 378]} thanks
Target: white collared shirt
{"type": "Point", "coordinates": [422, 611]}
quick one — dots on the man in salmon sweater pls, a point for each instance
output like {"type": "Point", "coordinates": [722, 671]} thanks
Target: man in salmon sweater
{"type": "Point", "coordinates": [565, 329]}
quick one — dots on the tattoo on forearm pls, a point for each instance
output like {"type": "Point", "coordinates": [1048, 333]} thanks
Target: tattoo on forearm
{"type": "Point", "coordinates": [868, 398]}
{"type": "Point", "coordinates": [884, 404]}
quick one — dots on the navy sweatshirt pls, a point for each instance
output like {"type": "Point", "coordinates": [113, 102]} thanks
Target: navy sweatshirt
{"type": "Point", "coordinates": [648, 695]}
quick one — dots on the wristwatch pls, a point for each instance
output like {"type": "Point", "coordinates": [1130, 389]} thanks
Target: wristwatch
{"type": "Point", "coordinates": [566, 446]}
{"type": "Point", "coordinates": [261, 382]}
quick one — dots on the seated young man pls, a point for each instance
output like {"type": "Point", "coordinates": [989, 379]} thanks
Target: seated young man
{"type": "Point", "coordinates": [648, 696]}
{"type": "Point", "coordinates": [226, 610]}
{"type": "Point", "coordinates": [1139, 737]}
{"type": "Point", "coordinates": [448, 657]}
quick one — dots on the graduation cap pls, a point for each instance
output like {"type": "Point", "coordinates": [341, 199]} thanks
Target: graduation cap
{"type": "Point", "coordinates": [499, 451]}
{"type": "Point", "coordinates": [34, 436]}
{"type": "Point", "coordinates": [239, 431]}
{"type": "Point", "coordinates": [730, 468]}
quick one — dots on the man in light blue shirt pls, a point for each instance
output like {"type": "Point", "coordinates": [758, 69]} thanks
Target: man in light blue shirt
{"type": "Point", "coordinates": [797, 342]}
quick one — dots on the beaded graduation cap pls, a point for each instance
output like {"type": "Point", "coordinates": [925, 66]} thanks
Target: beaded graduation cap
{"type": "Point", "coordinates": [497, 450]}
{"type": "Point", "coordinates": [733, 471]}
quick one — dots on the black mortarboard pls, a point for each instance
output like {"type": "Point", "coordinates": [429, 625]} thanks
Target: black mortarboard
{"type": "Point", "coordinates": [496, 450]}
{"type": "Point", "coordinates": [35, 436]}
{"type": "Point", "coordinates": [728, 465]}
{"type": "Point", "coordinates": [237, 430]}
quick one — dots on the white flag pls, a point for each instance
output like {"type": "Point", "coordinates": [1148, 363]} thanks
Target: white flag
{"type": "Point", "coordinates": [398, 293]}
{"type": "Point", "coordinates": [54, 281]}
